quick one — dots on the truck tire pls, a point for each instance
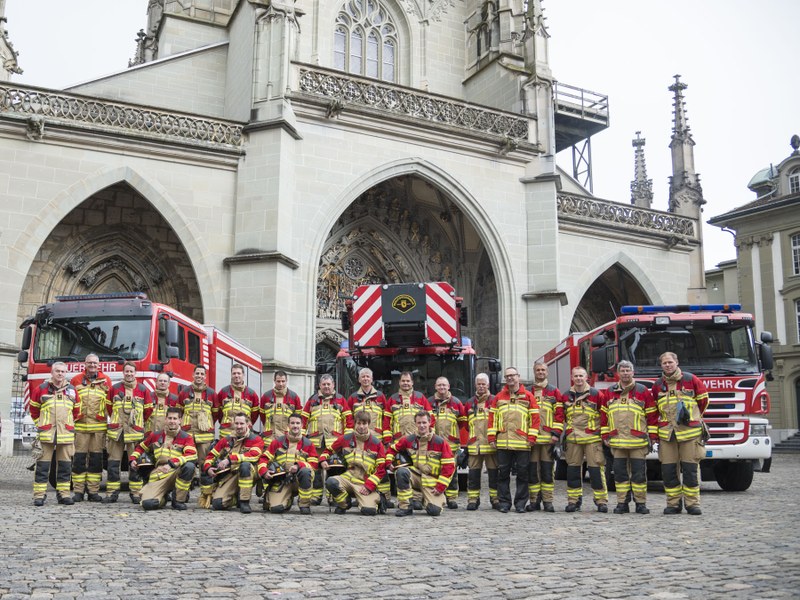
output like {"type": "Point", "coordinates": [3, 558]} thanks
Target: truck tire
{"type": "Point", "coordinates": [734, 476]}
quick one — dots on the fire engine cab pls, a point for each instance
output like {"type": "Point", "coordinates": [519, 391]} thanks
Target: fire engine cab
{"type": "Point", "coordinates": [716, 343]}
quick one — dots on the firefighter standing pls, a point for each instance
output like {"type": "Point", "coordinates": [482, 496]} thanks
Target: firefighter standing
{"type": "Point", "coordinates": [200, 411]}
{"type": "Point", "coordinates": [173, 454]}
{"type": "Point", "coordinates": [277, 405]}
{"type": "Point", "coordinates": [480, 452]}
{"type": "Point", "coordinates": [432, 467]}
{"type": "Point", "coordinates": [54, 408]}
{"type": "Point", "coordinates": [162, 400]}
{"type": "Point", "coordinates": [551, 426]}
{"type": "Point", "coordinates": [403, 406]}
{"type": "Point", "coordinates": [450, 417]}
{"type": "Point", "coordinates": [129, 406]}
{"type": "Point", "coordinates": [93, 387]}
{"type": "Point", "coordinates": [681, 399]}
{"type": "Point", "coordinates": [236, 397]}
{"type": "Point", "coordinates": [583, 413]}
{"type": "Point", "coordinates": [630, 430]}
{"type": "Point", "coordinates": [238, 454]}
{"type": "Point", "coordinates": [513, 426]}
{"type": "Point", "coordinates": [363, 455]}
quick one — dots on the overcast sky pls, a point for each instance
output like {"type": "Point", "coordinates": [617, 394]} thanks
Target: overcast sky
{"type": "Point", "coordinates": [738, 58]}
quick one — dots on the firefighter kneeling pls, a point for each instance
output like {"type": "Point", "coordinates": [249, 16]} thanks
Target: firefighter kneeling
{"type": "Point", "coordinates": [364, 457]}
{"type": "Point", "coordinates": [432, 467]}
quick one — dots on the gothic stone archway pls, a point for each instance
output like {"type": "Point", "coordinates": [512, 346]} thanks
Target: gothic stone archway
{"type": "Point", "coordinates": [602, 301]}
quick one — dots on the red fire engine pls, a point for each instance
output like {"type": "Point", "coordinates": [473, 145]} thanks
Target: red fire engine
{"type": "Point", "coordinates": [716, 343]}
{"type": "Point", "coordinates": [127, 327]}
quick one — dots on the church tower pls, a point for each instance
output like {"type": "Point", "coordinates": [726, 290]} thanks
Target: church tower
{"type": "Point", "coordinates": [641, 186]}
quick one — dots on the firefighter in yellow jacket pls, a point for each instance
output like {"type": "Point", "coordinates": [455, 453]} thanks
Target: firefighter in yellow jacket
{"type": "Point", "coordinates": [480, 452]}
{"type": "Point", "coordinates": [450, 418]}
{"type": "Point", "coordinates": [551, 426]}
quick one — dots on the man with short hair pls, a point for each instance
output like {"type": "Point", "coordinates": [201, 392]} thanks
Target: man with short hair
{"type": "Point", "coordinates": [513, 427]}
{"type": "Point", "coordinates": [236, 397]}
{"type": "Point", "coordinates": [129, 406]}
{"type": "Point", "coordinates": [93, 387]}
{"type": "Point", "coordinates": [431, 466]}
{"type": "Point", "coordinates": [288, 466]}
{"type": "Point", "coordinates": [277, 405]}
{"type": "Point", "coordinates": [480, 452]}
{"type": "Point", "coordinates": [583, 414]}
{"type": "Point", "coordinates": [162, 400]}
{"type": "Point", "coordinates": [54, 407]}
{"type": "Point", "coordinates": [551, 426]}
{"type": "Point", "coordinates": [200, 412]}
{"type": "Point", "coordinates": [681, 399]}
{"type": "Point", "coordinates": [238, 454]}
{"type": "Point", "coordinates": [364, 457]}
{"type": "Point", "coordinates": [450, 418]}
{"type": "Point", "coordinates": [630, 428]}
{"type": "Point", "coordinates": [172, 453]}
{"type": "Point", "coordinates": [403, 406]}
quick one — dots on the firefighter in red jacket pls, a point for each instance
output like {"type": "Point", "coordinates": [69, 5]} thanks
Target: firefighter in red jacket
{"type": "Point", "coordinates": [325, 418]}
{"type": "Point", "coordinates": [129, 406]}
{"type": "Point", "coordinates": [236, 397]}
{"type": "Point", "coordinates": [200, 412]}
{"type": "Point", "coordinates": [551, 426]}
{"type": "Point", "coordinates": [630, 429]}
{"type": "Point", "coordinates": [431, 467]}
{"type": "Point", "coordinates": [93, 387]}
{"type": "Point", "coordinates": [681, 399]}
{"type": "Point", "coordinates": [162, 400]}
{"type": "Point", "coordinates": [236, 455]}
{"type": "Point", "coordinates": [363, 455]}
{"type": "Point", "coordinates": [480, 452]}
{"type": "Point", "coordinates": [288, 466]}
{"type": "Point", "coordinates": [513, 427]}
{"type": "Point", "coordinates": [583, 416]}
{"type": "Point", "coordinates": [402, 407]}
{"type": "Point", "coordinates": [172, 454]}
{"type": "Point", "coordinates": [450, 418]}
{"type": "Point", "coordinates": [277, 405]}
{"type": "Point", "coordinates": [54, 407]}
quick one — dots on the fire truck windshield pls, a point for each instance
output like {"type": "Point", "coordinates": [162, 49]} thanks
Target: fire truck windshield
{"type": "Point", "coordinates": [703, 348]}
{"type": "Point", "coordinates": [71, 339]}
{"type": "Point", "coordinates": [425, 369]}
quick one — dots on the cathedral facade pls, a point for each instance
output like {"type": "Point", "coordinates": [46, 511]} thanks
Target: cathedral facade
{"type": "Point", "coordinates": [259, 159]}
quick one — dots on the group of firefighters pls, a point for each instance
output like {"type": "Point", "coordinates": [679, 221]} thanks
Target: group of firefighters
{"type": "Point", "coordinates": [350, 446]}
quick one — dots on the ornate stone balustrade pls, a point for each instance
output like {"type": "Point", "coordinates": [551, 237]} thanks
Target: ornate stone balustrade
{"type": "Point", "coordinates": [45, 106]}
{"type": "Point", "coordinates": [344, 89]}
{"type": "Point", "coordinates": [603, 213]}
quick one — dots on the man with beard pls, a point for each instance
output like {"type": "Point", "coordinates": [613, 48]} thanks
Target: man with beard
{"type": "Point", "coordinates": [162, 400]}
{"type": "Point", "coordinates": [234, 398]}
{"type": "Point", "coordinates": [551, 425]}
{"type": "Point", "coordinates": [403, 406]}
{"type": "Point", "coordinates": [325, 416]}
{"type": "Point", "coordinates": [449, 418]}
{"type": "Point", "coordinates": [173, 454]}
{"type": "Point", "coordinates": [277, 405]}
{"type": "Point", "coordinates": [480, 452]}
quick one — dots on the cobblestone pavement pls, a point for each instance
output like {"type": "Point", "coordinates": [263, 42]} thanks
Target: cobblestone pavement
{"type": "Point", "coordinates": [745, 545]}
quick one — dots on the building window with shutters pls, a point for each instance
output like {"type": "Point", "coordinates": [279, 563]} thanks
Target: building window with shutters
{"type": "Point", "coordinates": [794, 181]}
{"type": "Point", "coordinates": [365, 40]}
{"type": "Point", "coordinates": [796, 254]}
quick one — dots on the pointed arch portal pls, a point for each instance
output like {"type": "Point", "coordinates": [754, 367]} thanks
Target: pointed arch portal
{"type": "Point", "coordinates": [604, 298]}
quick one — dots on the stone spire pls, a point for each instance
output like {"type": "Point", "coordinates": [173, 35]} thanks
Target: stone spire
{"type": "Point", "coordinates": [641, 186]}
{"type": "Point", "coordinates": [8, 56]}
{"type": "Point", "coordinates": [685, 193]}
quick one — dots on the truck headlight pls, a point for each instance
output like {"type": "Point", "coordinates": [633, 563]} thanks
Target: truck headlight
{"type": "Point", "coordinates": [758, 430]}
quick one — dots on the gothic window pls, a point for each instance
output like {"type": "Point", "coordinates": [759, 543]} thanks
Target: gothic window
{"type": "Point", "coordinates": [796, 254]}
{"type": "Point", "coordinates": [794, 181]}
{"type": "Point", "coordinates": [365, 40]}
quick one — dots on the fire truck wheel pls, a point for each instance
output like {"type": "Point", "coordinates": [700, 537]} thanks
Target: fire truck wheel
{"type": "Point", "coordinates": [734, 476]}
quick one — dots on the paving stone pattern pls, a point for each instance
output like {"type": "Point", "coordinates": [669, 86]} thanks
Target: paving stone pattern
{"type": "Point", "coordinates": [745, 545]}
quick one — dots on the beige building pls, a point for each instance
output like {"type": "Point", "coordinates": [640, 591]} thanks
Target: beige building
{"type": "Point", "coordinates": [767, 234]}
{"type": "Point", "coordinates": [259, 159]}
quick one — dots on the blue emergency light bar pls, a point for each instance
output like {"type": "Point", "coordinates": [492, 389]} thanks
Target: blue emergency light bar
{"type": "Point", "coordinates": [677, 308]}
{"type": "Point", "coordinates": [109, 296]}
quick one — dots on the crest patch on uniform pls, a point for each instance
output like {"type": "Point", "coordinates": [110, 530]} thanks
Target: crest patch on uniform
{"type": "Point", "coordinates": [403, 303]}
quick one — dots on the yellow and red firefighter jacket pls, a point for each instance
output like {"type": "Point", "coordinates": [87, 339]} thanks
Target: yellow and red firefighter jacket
{"type": "Point", "coordinates": [93, 395]}
{"type": "Point", "coordinates": [200, 412]}
{"type": "Point", "coordinates": [158, 417]}
{"type": "Point", "coordinates": [431, 458]}
{"type": "Point", "coordinates": [231, 400]}
{"type": "Point", "coordinates": [247, 449]}
{"type": "Point", "coordinates": [551, 412]}
{"type": "Point", "coordinates": [365, 460]}
{"type": "Point", "coordinates": [400, 411]}
{"type": "Point", "coordinates": [164, 448]}
{"type": "Point", "coordinates": [325, 418]}
{"type": "Point", "coordinates": [282, 453]}
{"type": "Point", "coordinates": [514, 419]}
{"type": "Point", "coordinates": [54, 411]}
{"type": "Point", "coordinates": [668, 393]}
{"type": "Point", "coordinates": [129, 408]}
{"type": "Point", "coordinates": [449, 418]}
{"type": "Point", "coordinates": [631, 416]}
{"type": "Point", "coordinates": [276, 410]}
{"type": "Point", "coordinates": [583, 415]}
{"type": "Point", "coordinates": [477, 411]}
{"type": "Point", "coordinates": [373, 402]}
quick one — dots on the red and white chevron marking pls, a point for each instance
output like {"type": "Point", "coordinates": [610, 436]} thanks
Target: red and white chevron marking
{"type": "Point", "coordinates": [440, 309]}
{"type": "Point", "coordinates": [367, 316]}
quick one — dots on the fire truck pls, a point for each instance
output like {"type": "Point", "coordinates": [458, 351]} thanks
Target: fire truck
{"type": "Point", "coordinates": [128, 327]}
{"type": "Point", "coordinates": [715, 342]}
{"type": "Point", "coordinates": [412, 327]}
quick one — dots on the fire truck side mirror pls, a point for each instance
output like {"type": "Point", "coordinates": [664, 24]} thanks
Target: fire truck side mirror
{"type": "Point", "coordinates": [766, 337]}
{"type": "Point", "coordinates": [172, 333]}
{"type": "Point", "coordinates": [494, 365]}
{"type": "Point", "coordinates": [463, 317]}
{"type": "Point", "coordinates": [345, 320]}
{"type": "Point", "coordinates": [599, 360]}
{"type": "Point", "coordinates": [28, 334]}
{"type": "Point", "coordinates": [598, 340]}
{"type": "Point", "coordinates": [765, 354]}
{"type": "Point", "coordinates": [22, 357]}
{"type": "Point", "coordinates": [173, 352]}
